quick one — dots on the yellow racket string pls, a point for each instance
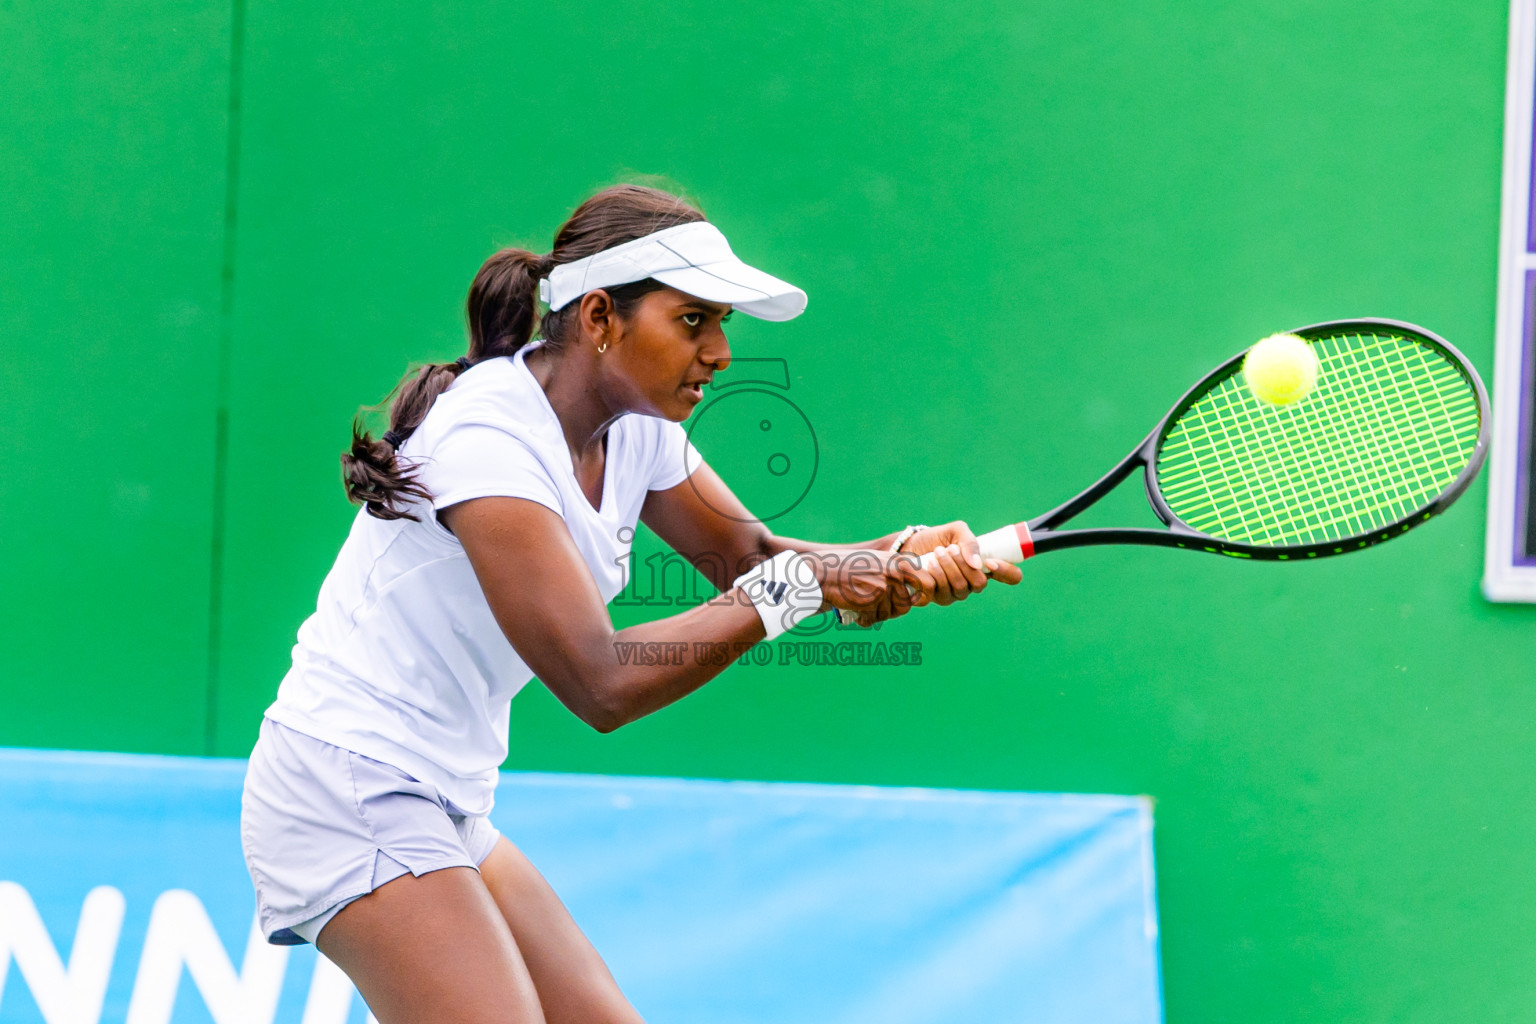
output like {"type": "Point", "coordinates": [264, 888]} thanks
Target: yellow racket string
{"type": "Point", "coordinates": [1390, 424]}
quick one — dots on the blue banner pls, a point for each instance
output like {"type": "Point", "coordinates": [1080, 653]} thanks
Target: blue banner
{"type": "Point", "coordinates": [123, 898]}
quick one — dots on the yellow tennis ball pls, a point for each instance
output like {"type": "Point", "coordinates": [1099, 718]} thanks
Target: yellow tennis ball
{"type": "Point", "coordinates": [1281, 369]}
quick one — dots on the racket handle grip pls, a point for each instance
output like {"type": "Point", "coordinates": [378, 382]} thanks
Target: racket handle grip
{"type": "Point", "coordinates": [1006, 544]}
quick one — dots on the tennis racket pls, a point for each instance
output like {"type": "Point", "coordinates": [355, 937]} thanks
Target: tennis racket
{"type": "Point", "coordinates": [1392, 434]}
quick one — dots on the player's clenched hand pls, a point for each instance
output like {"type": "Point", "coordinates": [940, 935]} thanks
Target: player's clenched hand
{"type": "Point", "coordinates": [958, 570]}
{"type": "Point", "coordinates": [896, 601]}
{"type": "Point", "coordinates": [862, 582]}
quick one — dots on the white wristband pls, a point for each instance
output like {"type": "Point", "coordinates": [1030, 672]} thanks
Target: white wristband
{"type": "Point", "coordinates": [784, 590]}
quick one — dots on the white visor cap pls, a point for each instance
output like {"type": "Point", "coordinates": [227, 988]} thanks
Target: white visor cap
{"type": "Point", "coordinates": [693, 258]}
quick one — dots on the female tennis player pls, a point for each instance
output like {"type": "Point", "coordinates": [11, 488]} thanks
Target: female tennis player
{"type": "Point", "coordinates": [499, 507]}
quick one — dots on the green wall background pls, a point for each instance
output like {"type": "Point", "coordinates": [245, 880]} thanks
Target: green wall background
{"type": "Point", "coordinates": [1025, 227]}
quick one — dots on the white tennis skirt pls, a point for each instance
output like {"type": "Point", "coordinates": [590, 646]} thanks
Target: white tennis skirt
{"type": "Point", "coordinates": [322, 826]}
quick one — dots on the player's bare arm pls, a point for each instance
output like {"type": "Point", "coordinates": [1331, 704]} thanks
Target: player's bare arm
{"type": "Point", "coordinates": [703, 520]}
{"type": "Point", "coordinates": [562, 628]}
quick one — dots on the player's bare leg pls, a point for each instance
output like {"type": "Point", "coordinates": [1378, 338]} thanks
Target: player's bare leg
{"type": "Point", "coordinates": [433, 950]}
{"type": "Point", "coordinates": [574, 985]}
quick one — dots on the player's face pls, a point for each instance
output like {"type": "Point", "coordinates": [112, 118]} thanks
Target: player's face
{"type": "Point", "coordinates": [673, 346]}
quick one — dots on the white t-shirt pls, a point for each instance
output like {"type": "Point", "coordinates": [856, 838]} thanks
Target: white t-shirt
{"type": "Point", "coordinates": [402, 660]}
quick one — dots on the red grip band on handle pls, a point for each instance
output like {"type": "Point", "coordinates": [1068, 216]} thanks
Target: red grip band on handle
{"type": "Point", "coordinates": [1026, 542]}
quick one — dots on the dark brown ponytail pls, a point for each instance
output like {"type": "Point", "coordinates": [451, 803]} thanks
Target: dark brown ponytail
{"type": "Point", "coordinates": [502, 312]}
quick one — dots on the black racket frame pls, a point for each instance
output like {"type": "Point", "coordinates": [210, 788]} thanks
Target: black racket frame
{"type": "Point", "coordinates": [1179, 534]}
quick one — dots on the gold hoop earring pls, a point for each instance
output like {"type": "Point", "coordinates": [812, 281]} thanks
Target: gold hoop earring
{"type": "Point", "coordinates": [602, 348]}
